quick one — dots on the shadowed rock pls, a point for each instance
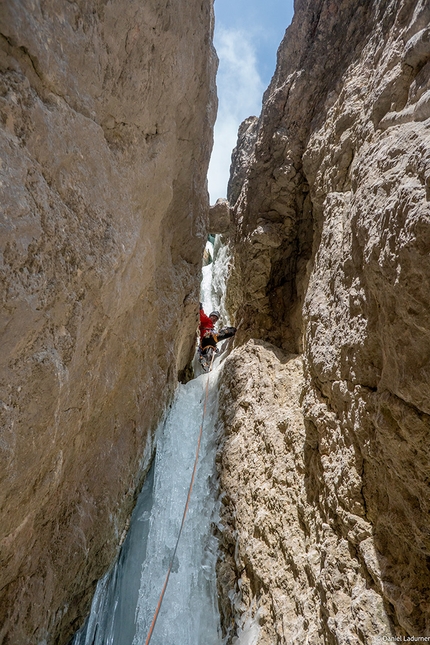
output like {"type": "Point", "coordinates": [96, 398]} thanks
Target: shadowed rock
{"type": "Point", "coordinates": [106, 130]}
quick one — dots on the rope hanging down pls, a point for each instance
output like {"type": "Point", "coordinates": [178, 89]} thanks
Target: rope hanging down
{"type": "Point", "coordinates": [160, 600]}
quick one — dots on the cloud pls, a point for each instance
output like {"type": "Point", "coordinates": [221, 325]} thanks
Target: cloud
{"type": "Point", "coordinates": [240, 90]}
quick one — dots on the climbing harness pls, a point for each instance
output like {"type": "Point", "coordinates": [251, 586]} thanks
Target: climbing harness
{"type": "Point", "coordinates": [160, 600]}
{"type": "Point", "coordinates": [208, 345]}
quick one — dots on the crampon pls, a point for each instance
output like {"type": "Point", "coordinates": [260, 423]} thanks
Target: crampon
{"type": "Point", "coordinates": [206, 357]}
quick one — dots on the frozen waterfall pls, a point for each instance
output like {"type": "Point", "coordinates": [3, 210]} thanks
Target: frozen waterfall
{"type": "Point", "coordinates": [126, 598]}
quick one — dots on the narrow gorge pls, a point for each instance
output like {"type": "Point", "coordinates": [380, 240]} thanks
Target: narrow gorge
{"type": "Point", "coordinates": [107, 111]}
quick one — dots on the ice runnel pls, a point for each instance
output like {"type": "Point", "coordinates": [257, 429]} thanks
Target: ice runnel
{"type": "Point", "coordinates": [126, 599]}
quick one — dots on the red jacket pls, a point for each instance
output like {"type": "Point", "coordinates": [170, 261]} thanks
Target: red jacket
{"type": "Point", "coordinates": [206, 323]}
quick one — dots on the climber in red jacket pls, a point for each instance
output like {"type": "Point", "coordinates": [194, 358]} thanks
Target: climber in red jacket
{"type": "Point", "coordinates": [207, 323]}
{"type": "Point", "coordinates": [209, 337]}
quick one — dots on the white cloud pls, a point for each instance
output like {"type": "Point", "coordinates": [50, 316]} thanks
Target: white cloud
{"type": "Point", "coordinates": [240, 89]}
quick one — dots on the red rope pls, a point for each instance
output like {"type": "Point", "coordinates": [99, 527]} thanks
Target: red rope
{"type": "Point", "coordinates": [160, 600]}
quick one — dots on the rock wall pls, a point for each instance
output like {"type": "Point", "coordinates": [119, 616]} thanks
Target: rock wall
{"type": "Point", "coordinates": [106, 112]}
{"type": "Point", "coordinates": [331, 198]}
{"type": "Point", "coordinates": [288, 567]}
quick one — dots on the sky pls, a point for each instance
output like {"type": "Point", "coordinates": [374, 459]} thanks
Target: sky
{"type": "Point", "coordinates": [247, 36]}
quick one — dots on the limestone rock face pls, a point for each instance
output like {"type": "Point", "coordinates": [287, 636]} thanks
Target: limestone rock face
{"type": "Point", "coordinates": [106, 129]}
{"type": "Point", "coordinates": [331, 261]}
{"type": "Point", "coordinates": [219, 216]}
{"type": "Point", "coordinates": [288, 569]}
{"type": "Point", "coordinates": [240, 158]}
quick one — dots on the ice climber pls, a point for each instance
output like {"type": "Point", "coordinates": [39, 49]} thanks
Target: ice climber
{"type": "Point", "coordinates": [209, 337]}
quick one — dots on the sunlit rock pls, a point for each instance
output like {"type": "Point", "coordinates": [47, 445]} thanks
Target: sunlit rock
{"type": "Point", "coordinates": [329, 523]}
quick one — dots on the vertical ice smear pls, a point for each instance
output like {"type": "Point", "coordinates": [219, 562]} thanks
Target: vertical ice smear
{"type": "Point", "coordinates": [126, 599]}
{"type": "Point", "coordinates": [248, 630]}
{"type": "Point", "coordinates": [212, 291]}
{"type": "Point", "coordinates": [189, 612]}
{"type": "Point", "coordinates": [111, 621]}
{"type": "Point", "coordinates": [206, 284]}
